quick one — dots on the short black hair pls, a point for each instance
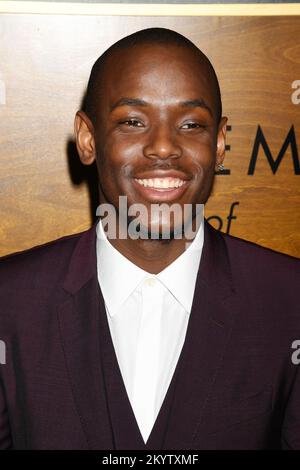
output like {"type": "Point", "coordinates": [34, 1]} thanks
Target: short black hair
{"type": "Point", "coordinates": [162, 36]}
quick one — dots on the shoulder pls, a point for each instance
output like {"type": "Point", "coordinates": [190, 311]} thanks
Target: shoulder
{"type": "Point", "coordinates": [241, 251]}
{"type": "Point", "coordinates": [40, 260]}
{"type": "Point", "coordinates": [263, 273]}
{"type": "Point", "coordinates": [262, 254]}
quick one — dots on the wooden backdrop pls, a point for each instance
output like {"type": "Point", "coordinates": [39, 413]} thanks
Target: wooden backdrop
{"type": "Point", "coordinates": [44, 67]}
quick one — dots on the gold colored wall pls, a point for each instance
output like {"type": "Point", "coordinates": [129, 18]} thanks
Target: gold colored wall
{"type": "Point", "coordinates": [44, 67]}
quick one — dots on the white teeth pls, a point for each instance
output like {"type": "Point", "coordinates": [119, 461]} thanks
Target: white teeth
{"type": "Point", "coordinates": [161, 183]}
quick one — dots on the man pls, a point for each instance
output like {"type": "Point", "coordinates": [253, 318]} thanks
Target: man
{"type": "Point", "coordinates": [150, 343]}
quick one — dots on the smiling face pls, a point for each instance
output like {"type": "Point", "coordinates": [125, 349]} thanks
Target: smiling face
{"type": "Point", "coordinates": [156, 137]}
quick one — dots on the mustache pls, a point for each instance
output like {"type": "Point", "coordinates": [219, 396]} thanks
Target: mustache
{"type": "Point", "coordinates": [158, 166]}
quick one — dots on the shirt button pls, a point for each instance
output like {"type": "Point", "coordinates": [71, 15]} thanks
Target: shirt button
{"type": "Point", "coordinates": [150, 282]}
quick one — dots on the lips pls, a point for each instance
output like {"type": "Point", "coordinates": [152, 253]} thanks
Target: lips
{"type": "Point", "coordinates": [160, 183]}
{"type": "Point", "coordinates": [161, 188]}
{"type": "Point", "coordinates": [163, 174]}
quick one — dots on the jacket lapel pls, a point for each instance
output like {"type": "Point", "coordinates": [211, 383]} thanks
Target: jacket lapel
{"type": "Point", "coordinates": [78, 317]}
{"type": "Point", "coordinates": [209, 329]}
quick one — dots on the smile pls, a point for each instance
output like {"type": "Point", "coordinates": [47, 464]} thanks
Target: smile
{"type": "Point", "coordinates": [161, 189]}
{"type": "Point", "coordinates": [161, 183]}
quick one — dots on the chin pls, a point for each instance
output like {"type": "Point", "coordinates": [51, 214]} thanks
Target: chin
{"type": "Point", "coordinates": [164, 232]}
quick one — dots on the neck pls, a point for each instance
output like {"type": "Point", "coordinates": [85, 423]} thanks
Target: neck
{"type": "Point", "coordinates": [151, 255]}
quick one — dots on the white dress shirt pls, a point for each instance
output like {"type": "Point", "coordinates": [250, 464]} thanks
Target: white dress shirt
{"type": "Point", "coordinates": [148, 317]}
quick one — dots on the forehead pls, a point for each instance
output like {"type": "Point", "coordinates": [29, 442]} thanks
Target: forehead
{"type": "Point", "coordinates": [157, 73]}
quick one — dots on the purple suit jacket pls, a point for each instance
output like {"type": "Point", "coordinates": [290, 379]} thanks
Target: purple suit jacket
{"type": "Point", "coordinates": [235, 385]}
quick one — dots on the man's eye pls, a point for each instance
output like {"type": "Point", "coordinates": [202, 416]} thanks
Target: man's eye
{"type": "Point", "coordinates": [132, 123]}
{"type": "Point", "coordinates": [191, 125]}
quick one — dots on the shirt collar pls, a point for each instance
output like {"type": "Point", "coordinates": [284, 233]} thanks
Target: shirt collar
{"type": "Point", "coordinates": [118, 276]}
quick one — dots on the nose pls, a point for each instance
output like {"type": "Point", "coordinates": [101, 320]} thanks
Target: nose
{"type": "Point", "coordinates": [162, 143]}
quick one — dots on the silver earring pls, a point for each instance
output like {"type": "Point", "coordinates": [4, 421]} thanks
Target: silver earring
{"type": "Point", "coordinates": [221, 167]}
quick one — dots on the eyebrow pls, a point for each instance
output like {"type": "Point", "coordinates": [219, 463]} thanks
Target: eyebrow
{"type": "Point", "coordinates": [195, 103]}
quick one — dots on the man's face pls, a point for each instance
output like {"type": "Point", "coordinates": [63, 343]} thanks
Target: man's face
{"type": "Point", "coordinates": [156, 138]}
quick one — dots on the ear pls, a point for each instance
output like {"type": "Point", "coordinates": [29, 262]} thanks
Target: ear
{"type": "Point", "coordinates": [221, 142]}
{"type": "Point", "coordinates": [84, 135]}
